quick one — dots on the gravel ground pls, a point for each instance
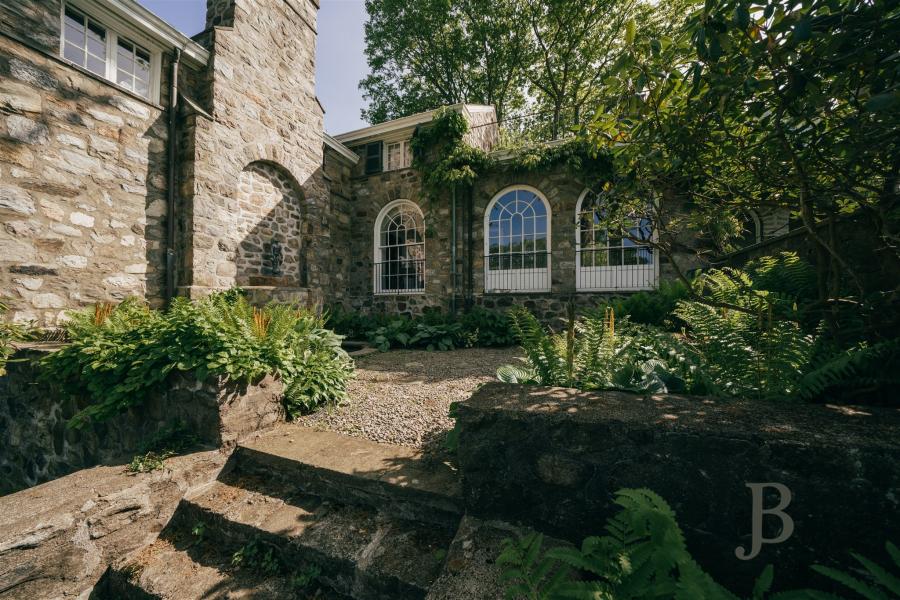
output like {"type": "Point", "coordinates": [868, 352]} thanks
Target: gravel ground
{"type": "Point", "coordinates": [402, 396]}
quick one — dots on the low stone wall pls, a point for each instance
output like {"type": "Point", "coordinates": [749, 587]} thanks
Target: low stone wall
{"type": "Point", "coordinates": [36, 445]}
{"type": "Point", "coordinates": [553, 458]}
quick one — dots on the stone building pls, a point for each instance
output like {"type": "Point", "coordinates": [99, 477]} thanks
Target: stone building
{"type": "Point", "coordinates": [137, 161]}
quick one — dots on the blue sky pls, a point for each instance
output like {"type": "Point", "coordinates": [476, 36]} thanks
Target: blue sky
{"type": "Point", "coordinates": [340, 57]}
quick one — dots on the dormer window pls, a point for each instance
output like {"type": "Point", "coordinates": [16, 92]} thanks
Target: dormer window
{"type": "Point", "coordinates": [120, 59]}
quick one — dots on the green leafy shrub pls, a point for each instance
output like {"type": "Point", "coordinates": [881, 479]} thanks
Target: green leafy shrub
{"type": "Point", "coordinates": [486, 329]}
{"type": "Point", "coordinates": [432, 330]}
{"type": "Point", "coordinates": [120, 354]}
{"type": "Point", "coordinates": [597, 352]}
{"type": "Point", "coordinates": [9, 333]}
{"type": "Point", "coordinates": [644, 555]}
{"type": "Point", "coordinates": [652, 308]}
{"type": "Point", "coordinates": [745, 336]}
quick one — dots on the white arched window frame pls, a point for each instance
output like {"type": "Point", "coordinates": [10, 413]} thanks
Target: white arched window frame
{"type": "Point", "coordinates": [399, 249]}
{"type": "Point", "coordinates": [517, 241]}
{"type": "Point", "coordinates": [607, 263]}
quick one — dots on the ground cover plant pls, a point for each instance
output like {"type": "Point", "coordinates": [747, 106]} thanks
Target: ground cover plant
{"type": "Point", "coordinates": [644, 555]}
{"type": "Point", "coordinates": [9, 333]}
{"type": "Point", "coordinates": [432, 330]}
{"type": "Point", "coordinates": [745, 333]}
{"type": "Point", "coordinates": [119, 354]}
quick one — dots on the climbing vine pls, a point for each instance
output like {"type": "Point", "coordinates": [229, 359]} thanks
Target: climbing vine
{"type": "Point", "coordinates": [444, 159]}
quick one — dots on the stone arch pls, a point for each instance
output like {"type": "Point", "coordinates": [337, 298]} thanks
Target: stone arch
{"type": "Point", "coordinates": [269, 222]}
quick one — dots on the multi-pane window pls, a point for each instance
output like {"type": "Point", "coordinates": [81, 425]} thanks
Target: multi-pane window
{"type": "Point", "coordinates": [400, 249]}
{"type": "Point", "coordinates": [398, 156]}
{"type": "Point", "coordinates": [133, 67]}
{"type": "Point", "coordinates": [90, 45]}
{"type": "Point", "coordinates": [517, 256]}
{"type": "Point", "coordinates": [607, 261]}
{"type": "Point", "coordinates": [84, 42]}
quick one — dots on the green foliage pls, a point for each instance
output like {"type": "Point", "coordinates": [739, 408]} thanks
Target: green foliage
{"type": "Point", "coordinates": [432, 331]}
{"type": "Point", "coordinates": [878, 582]}
{"type": "Point", "coordinates": [149, 461]}
{"type": "Point", "coordinates": [605, 354]}
{"type": "Point", "coordinates": [259, 557]}
{"type": "Point", "coordinates": [9, 333]}
{"type": "Point", "coordinates": [752, 349]}
{"type": "Point", "coordinates": [119, 355]}
{"type": "Point", "coordinates": [486, 328]}
{"type": "Point", "coordinates": [165, 443]}
{"type": "Point", "coordinates": [654, 307]}
{"type": "Point", "coordinates": [265, 559]}
{"type": "Point", "coordinates": [446, 160]}
{"type": "Point", "coordinates": [642, 555]}
{"type": "Point", "coordinates": [763, 106]}
{"type": "Point", "coordinates": [868, 370]}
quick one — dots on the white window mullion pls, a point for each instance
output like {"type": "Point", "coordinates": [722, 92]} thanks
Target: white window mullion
{"type": "Point", "coordinates": [111, 41]}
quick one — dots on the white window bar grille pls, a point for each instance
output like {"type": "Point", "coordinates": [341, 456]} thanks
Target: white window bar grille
{"type": "Point", "coordinates": [517, 242]}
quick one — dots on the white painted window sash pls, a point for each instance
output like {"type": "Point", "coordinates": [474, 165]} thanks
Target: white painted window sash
{"type": "Point", "coordinates": [112, 46]}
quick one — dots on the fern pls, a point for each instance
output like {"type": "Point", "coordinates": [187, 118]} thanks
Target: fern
{"type": "Point", "coordinates": [119, 355]}
{"type": "Point", "coordinates": [642, 555]}
{"type": "Point", "coordinates": [862, 367]}
{"type": "Point", "coordinates": [871, 581]}
{"type": "Point", "coordinates": [601, 352]}
{"type": "Point", "coordinates": [751, 350]}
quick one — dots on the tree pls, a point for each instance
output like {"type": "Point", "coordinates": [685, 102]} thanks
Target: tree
{"type": "Point", "coordinates": [770, 104]}
{"type": "Point", "coordinates": [525, 57]}
{"type": "Point", "coordinates": [569, 47]}
{"type": "Point", "coordinates": [426, 53]}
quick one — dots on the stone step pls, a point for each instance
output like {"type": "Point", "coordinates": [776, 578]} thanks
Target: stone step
{"type": "Point", "coordinates": [357, 551]}
{"type": "Point", "coordinates": [396, 480]}
{"type": "Point", "coordinates": [178, 566]}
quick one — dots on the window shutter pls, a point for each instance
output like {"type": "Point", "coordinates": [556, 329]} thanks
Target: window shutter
{"type": "Point", "coordinates": [373, 158]}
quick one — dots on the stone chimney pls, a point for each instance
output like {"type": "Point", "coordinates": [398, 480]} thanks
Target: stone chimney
{"type": "Point", "coordinates": [220, 13]}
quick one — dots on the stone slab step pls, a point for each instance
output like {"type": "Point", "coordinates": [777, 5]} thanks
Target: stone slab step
{"type": "Point", "coordinates": [394, 479]}
{"type": "Point", "coordinates": [181, 568]}
{"type": "Point", "coordinates": [360, 552]}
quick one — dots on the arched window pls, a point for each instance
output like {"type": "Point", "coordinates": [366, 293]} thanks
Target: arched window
{"type": "Point", "coordinates": [751, 229]}
{"type": "Point", "coordinates": [517, 241]}
{"type": "Point", "coordinates": [607, 262]}
{"type": "Point", "coordinates": [400, 249]}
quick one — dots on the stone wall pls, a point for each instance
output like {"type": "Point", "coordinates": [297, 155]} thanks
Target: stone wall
{"type": "Point", "coordinates": [841, 464]}
{"type": "Point", "coordinates": [36, 445]}
{"type": "Point", "coordinates": [264, 111]}
{"type": "Point", "coordinates": [562, 190]}
{"type": "Point", "coordinates": [269, 252]}
{"type": "Point", "coordinates": [82, 178]}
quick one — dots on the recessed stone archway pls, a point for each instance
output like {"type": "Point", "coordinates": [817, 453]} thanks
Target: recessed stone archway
{"type": "Point", "coordinates": [269, 226]}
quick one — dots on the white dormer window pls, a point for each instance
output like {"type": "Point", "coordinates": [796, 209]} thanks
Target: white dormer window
{"type": "Point", "coordinates": [397, 156]}
{"type": "Point", "coordinates": [91, 45]}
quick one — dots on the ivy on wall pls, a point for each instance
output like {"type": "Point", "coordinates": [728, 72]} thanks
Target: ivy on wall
{"type": "Point", "coordinates": [444, 159]}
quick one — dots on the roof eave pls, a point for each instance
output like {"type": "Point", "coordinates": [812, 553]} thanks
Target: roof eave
{"type": "Point", "coordinates": [156, 28]}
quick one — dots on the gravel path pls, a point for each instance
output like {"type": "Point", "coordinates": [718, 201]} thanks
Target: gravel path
{"type": "Point", "coordinates": [402, 396]}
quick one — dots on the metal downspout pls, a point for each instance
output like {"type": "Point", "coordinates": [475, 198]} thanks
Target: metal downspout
{"type": "Point", "coordinates": [172, 178]}
{"type": "Point", "coordinates": [455, 271]}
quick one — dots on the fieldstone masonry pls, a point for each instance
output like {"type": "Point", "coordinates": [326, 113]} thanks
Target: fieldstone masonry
{"type": "Point", "coordinates": [36, 444]}
{"type": "Point", "coordinates": [268, 248]}
{"type": "Point", "coordinates": [262, 199]}
{"type": "Point", "coordinates": [840, 463]}
{"type": "Point", "coordinates": [82, 186]}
